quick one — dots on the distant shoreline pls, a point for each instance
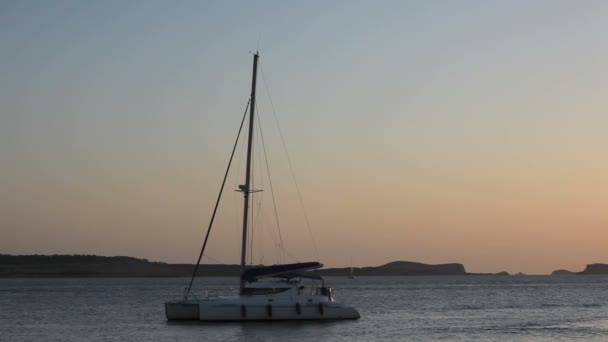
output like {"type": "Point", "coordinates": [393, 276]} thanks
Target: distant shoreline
{"type": "Point", "coordinates": [93, 266]}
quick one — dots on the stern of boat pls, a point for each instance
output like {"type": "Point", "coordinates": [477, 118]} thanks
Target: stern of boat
{"type": "Point", "coordinates": [182, 310]}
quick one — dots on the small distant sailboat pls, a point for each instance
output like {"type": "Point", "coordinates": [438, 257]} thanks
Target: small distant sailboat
{"type": "Point", "coordinates": [265, 293]}
{"type": "Point", "coordinates": [351, 275]}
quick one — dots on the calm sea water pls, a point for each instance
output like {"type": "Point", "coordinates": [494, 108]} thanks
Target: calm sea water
{"type": "Point", "coordinates": [470, 308]}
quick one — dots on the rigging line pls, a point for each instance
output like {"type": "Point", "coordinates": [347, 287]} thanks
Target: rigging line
{"type": "Point", "coordinates": [274, 239]}
{"type": "Point", "coordinates": [255, 201]}
{"type": "Point", "coordinates": [260, 233]}
{"type": "Point", "coordinates": [276, 120]}
{"type": "Point", "coordinates": [274, 203]}
{"type": "Point", "coordinates": [259, 200]}
{"type": "Point", "coordinates": [267, 224]}
{"type": "Point", "coordinates": [212, 259]}
{"type": "Point", "coordinates": [236, 217]}
{"type": "Point", "coordinates": [217, 203]}
{"type": "Point", "coordinates": [255, 236]}
{"type": "Point", "coordinates": [250, 237]}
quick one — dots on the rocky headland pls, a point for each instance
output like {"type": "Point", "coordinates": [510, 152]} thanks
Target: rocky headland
{"type": "Point", "coordinates": [15, 266]}
{"type": "Point", "coordinates": [595, 269]}
{"type": "Point", "coordinates": [563, 272]}
{"type": "Point", "coordinates": [19, 266]}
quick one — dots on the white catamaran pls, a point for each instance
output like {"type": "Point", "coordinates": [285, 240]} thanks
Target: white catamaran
{"type": "Point", "coordinates": [265, 293]}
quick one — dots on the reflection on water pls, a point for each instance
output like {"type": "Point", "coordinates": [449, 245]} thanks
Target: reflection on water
{"type": "Point", "coordinates": [453, 308]}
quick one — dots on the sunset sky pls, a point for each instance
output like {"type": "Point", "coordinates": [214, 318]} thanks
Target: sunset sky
{"type": "Point", "coordinates": [431, 131]}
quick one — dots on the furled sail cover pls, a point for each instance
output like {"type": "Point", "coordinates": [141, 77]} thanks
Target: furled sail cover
{"type": "Point", "coordinates": [305, 275]}
{"type": "Point", "coordinates": [268, 271]}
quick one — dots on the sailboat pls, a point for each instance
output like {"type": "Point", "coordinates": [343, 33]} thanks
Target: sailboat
{"type": "Point", "coordinates": [351, 275]}
{"type": "Point", "coordinates": [265, 293]}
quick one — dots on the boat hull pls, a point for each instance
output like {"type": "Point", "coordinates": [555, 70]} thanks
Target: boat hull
{"type": "Point", "coordinates": [182, 310]}
{"type": "Point", "coordinates": [234, 311]}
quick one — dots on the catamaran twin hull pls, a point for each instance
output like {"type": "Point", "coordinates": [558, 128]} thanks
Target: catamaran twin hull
{"type": "Point", "coordinates": [241, 308]}
{"type": "Point", "coordinates": [281, 299]}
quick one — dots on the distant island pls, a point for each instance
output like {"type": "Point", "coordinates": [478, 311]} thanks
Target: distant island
{"type": "Point", "coordinates": [595, 269]}
{"type": "Point", "coordinates": [589, 269]}
{"type": "Point", "coordinates": [563, 272]}
{"type": "Point", "coordinates": [398, 268]}
{"type": "Point", "coordinates": [14, 266]}
{"type": "Point", "coordinates": [57, 266]}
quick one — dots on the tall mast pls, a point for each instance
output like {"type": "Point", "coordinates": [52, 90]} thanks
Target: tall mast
{"type": "Point", "coordinates": [245, 188]}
